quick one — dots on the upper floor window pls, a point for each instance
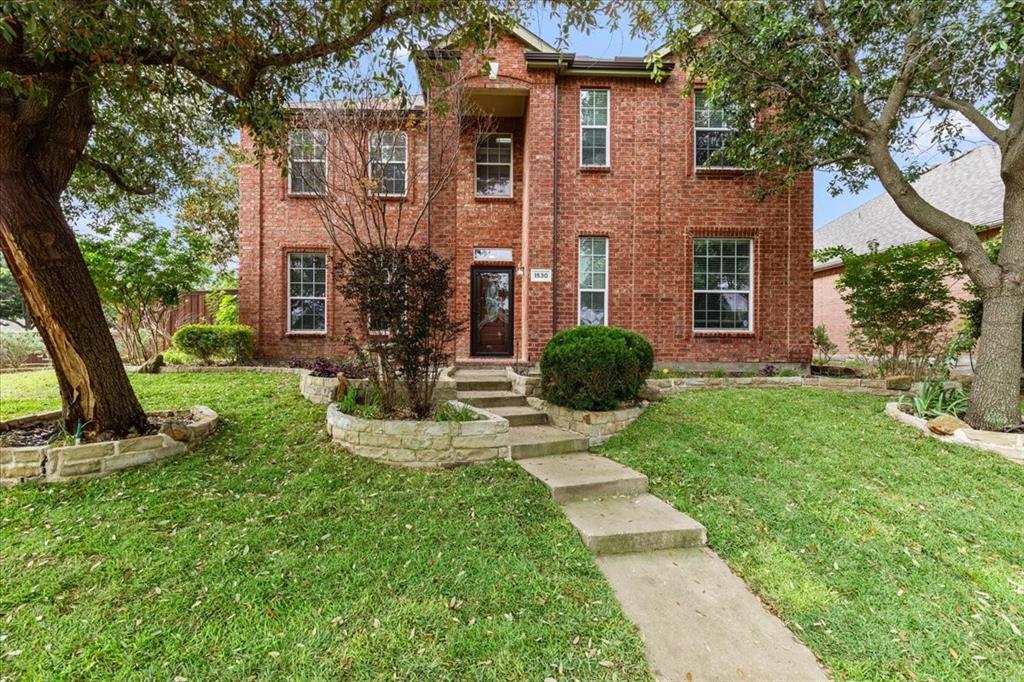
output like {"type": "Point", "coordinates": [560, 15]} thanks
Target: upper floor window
{"type": "Point", "coordinates": [388, 158]}
{"type": "Point", "coordinates": [593, 276]}
{"type": "Point", "coordinates": [494, 165]}
{"type": "Point", "coordinates": [713, 132]}
{"type": "Point", "coordinates": [307, 161]}
{"type": "Point", "coordinates": [722, 274]}
{"type": "Point", "coordinates": [307, 293]}
{"type": "Point", "coordinates": [594, 128]}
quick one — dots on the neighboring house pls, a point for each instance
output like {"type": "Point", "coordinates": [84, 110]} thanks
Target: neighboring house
{"type": "Point", "coordinates": [590, 206]}
{"type": "Point", "coordinates": [968, 187]}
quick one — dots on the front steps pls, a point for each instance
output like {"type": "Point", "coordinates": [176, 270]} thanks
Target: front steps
{"type": "Point", "coordinates": [529, 432]}
{"type": "Point", "coordinates": [698, 620]}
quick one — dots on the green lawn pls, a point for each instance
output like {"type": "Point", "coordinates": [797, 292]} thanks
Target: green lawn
{"type": "Point", "coordinates": [269, 553]}
{"type": "Point", "coordinates": [891, 555]}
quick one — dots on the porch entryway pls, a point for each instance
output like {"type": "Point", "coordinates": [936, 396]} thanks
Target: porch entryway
{"type": "Point", "coordinates": [492, 307]}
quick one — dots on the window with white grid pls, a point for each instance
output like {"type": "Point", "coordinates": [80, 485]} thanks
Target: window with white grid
{"type": "Point", "coordinates": [307, 292]}
{"type": "Point", "coordinates": [722, 280]}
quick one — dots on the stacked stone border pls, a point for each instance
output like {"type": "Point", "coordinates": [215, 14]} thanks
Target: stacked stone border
{"type": "Point", "coordinates": [598, 426]}
{"type": "Point", "coordinates": [656, 389]}
{"type": "Point", "coordinates": [1009, 445]}
{"type": "Point", "coordinates": [52, 464]}
{"type": "Point", "coordinates": [422, 444]}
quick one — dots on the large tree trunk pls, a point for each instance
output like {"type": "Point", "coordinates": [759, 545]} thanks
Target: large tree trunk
{"type": "Point", "coordinates": [43, 254]}
{"type": "Point", "coordinates": [995, 394]}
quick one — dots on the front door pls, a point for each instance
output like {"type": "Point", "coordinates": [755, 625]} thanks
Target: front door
{"type": "Point", "coordinates": [492, 306]}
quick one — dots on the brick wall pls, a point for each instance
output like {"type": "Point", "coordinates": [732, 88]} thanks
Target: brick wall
{"type": "Point", "coordinates": [651, 204]}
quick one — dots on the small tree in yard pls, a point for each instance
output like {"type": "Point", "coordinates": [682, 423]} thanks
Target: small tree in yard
{"type": "Point", "coordinates": [823, 344]}
{"type": "Point", "coordinates": [108, 105]}
{"type": "Point", "coordinates": [142, 271]}
{"type": "Point", "coordinates": [899, 303]}
{"type": "Point", "coordinates": [855, 87]}
{"type": "Point", "coordinates": [404, 332]}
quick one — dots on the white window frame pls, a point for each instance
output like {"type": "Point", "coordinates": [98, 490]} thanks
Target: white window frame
{"type": "Point", "coordinates": [607, 129]}
{"type": "Point", "coordinates": [749, 291]}
{"type": "Point", "coordinates": [696, 128]}
{"type": "Point", "coordinates": [579, 278]}
{"type": "Point", "coordinates": [510, 164]}
{"type": "Point", "coordinates": [313, 332]}
{"type": "Point", "coordinates": [375, 135]}
{"type": "Point", "coordinates": [291, 176]}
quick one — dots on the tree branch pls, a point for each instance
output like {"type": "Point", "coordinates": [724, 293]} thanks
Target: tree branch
{"type": "Point", "coordinates": [987, 127]}
{"type": "Point", "coordinates": [115, 177]}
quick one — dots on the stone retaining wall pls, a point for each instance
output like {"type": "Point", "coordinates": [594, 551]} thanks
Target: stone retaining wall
{"type": "Point", "coordinates": [598, 426]}
{"type": "Point", "coordinates": [523, 384]}
{"type": "Point", "coordinates": [317, 390]}
{"type": "Point", "coordinates": [656, 389]}
{"type": "Point", "coordinates": [1009, 445]}
{"type": "Point", "coordinates": [50, 464]}
{"type": "Point", "coordinates": [426, 444]}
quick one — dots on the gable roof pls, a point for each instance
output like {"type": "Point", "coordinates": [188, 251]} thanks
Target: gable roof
{"type": "Point", "coordinates": [968, 187]}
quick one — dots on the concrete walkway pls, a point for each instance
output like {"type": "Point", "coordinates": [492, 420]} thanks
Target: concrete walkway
{"type": "Point", "coordinates": [699, 621]}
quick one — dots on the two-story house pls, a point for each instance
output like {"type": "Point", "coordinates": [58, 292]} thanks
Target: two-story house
{"type": "Point", "coordinates": [594, 199]}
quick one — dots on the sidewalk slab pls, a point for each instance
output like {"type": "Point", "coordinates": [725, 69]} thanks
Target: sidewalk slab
{"type": "Point", "coordinates": [701, 622]}
{"type": "Point", "coordinates": [583, 475]}
{"type": "Point", "coordinates": [614, 525]}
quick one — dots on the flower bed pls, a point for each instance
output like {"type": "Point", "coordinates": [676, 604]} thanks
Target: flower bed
{"type": "Point", "coordinates": [1009, 445]}
{"type": "Point", "coordinates": [597, 425]}
{"type": "Point", "coordinates": [53, 463]}
{"type": "Point", "coordinates": [426, 444]}
{"type": "Point", "coordinates": [318, 390]}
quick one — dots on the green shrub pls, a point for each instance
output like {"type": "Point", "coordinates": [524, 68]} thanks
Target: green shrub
{"type": "Point", "coordinates": [206, 341]}
{"type": "Point", "coordinates": [201, 340]}
{"type": "Point", "coordinates": [449, 413]}
{"type": "Point", "coordinates": [237, 342]}
{"type": "Point", "coordinates": [173, 356]}
{"type": "Point", "coordinates": [595, 368]}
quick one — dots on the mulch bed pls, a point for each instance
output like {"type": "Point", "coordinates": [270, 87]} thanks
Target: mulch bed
{"type": "Point", "coordinates": [49, 432]}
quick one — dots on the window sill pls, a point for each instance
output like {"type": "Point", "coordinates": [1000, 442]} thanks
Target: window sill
{"type": "Point", "coordinates": [300, 335]}
{"type": "Point", "coordinates": [722, 171]}
{"type": "Point", "coordinates": [390, 197]}
{"type": "Point", "coordinates": [303, 195]}
{"type": "Point", "coordinates": [595, 169]}
{"type": "Point", "coordinates": [722, 334]}
{"type": "Point", "coordinates": [493, 199]}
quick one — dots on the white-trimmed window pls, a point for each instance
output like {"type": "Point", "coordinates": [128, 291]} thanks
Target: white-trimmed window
{"type": "Point", "coordinates": [593, 278]}
{"type": "Point", "coordinates": [388, 157]}
{"type": "Point", "coordinates": [712, 132]}
{"type": "Point", "coordinates": [307, 293]}
{"type": "Point", "coordinates": [595, 128]}
{"type": "Point", "coordinates": [722, 281]}
{"type": "Point", "coordinates": [307, 161]}
{"type": "Point", "coordinates": [494, 165]}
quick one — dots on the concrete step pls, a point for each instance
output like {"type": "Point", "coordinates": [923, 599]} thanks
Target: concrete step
{"type": "Point", "coordinates": [617, 525]}
{"type": "Point", "coordinates": [541, 441]}
{"type": "Point", "coordinates": [521, 416]}
{"type": "Point", "coordinates": [482, 384]}
{"type": "Point", "coordinates": [583, 475]}
{"type": "Point", "coordinates": [488, 399]}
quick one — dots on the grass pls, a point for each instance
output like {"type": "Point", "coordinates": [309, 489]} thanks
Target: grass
{"type": "Point", "coordinates": [891, 555]}
{"type": "Point", "coordinates": [268, 553]}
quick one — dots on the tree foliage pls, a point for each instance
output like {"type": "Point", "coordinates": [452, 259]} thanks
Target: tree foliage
{"type": "Point", "coordinates": [404, 339]}
{"type": "Point", "coordinates": [208, 209]}
{"type": "Point", "coordinates": [899, 303]}
{"type": "Point", "coordinates": [12, 305]}
{"type": "Point", "coordinates": [141, 271]}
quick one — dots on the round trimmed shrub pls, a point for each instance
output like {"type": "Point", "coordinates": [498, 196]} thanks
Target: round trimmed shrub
{"type": "Point", "coordinates": [595, 368]}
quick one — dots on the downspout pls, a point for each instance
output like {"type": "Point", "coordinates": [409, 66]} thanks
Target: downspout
{"type": "Point", "coordinates": [430, 204]}
{"type": "Point", "coordinates": [554, 215]}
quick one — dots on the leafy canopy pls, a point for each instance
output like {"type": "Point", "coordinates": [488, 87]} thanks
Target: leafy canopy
{"type": "Point", "coordinates": [824, 75]}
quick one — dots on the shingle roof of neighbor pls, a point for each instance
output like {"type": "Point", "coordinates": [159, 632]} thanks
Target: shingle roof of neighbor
{"type": "Point", "coordinates": [968, 187]}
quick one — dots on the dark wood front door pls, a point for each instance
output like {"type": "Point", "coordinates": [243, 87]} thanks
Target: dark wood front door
{"type": "Point", "coordinates": [492, 310]}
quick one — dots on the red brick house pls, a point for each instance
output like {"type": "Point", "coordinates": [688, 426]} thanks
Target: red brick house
{"type": "Point", "coordinates": [593, 202]}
